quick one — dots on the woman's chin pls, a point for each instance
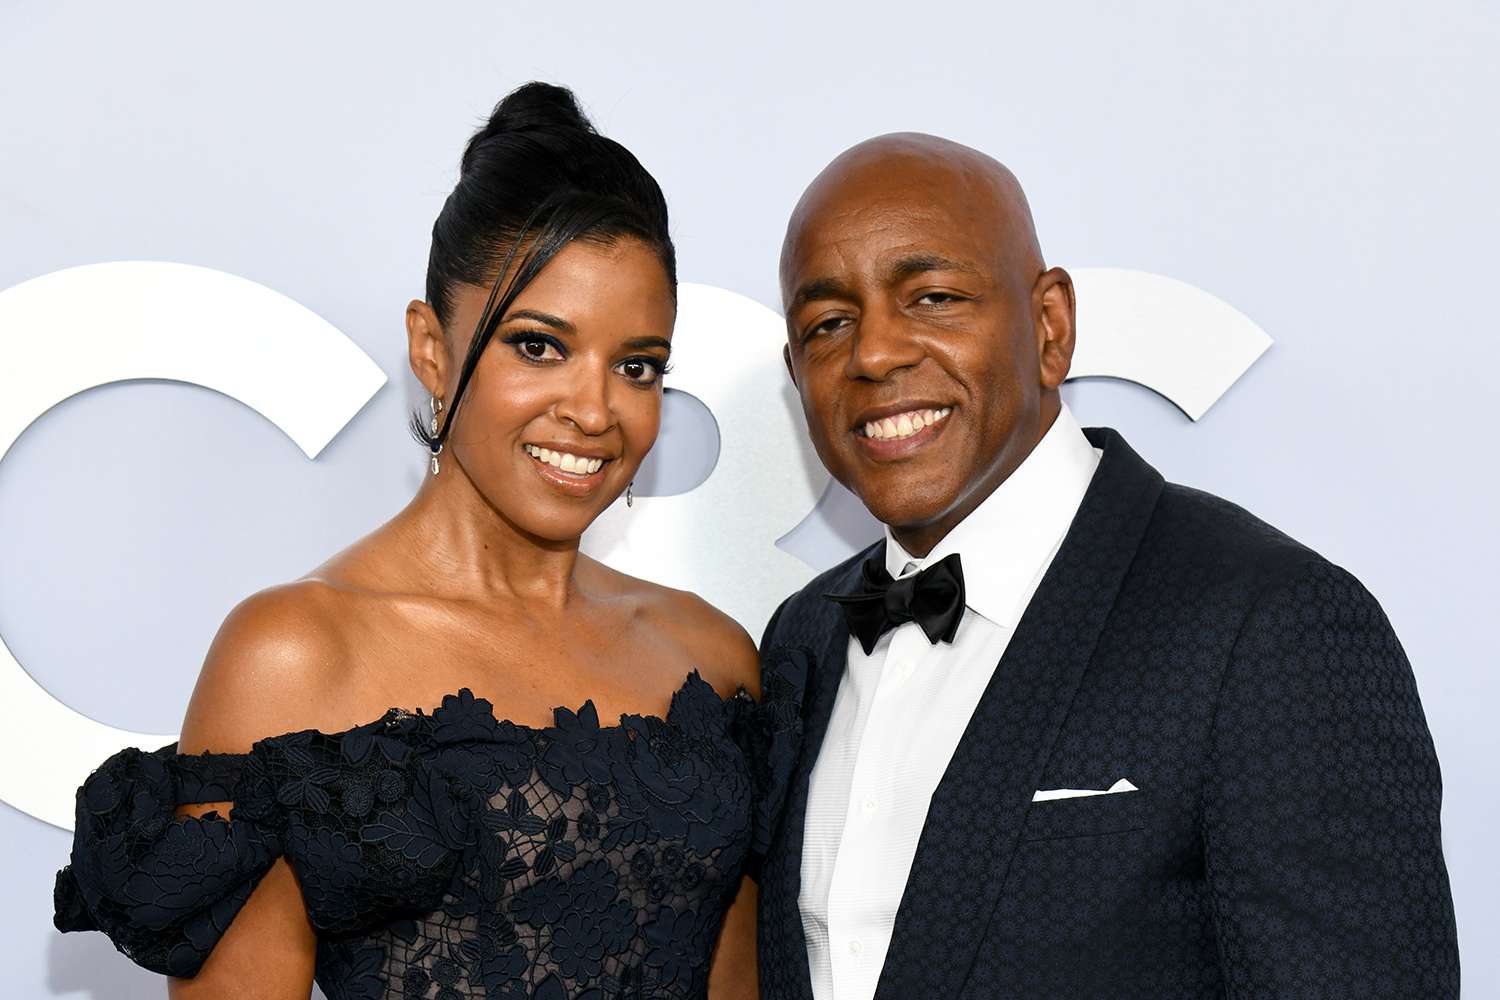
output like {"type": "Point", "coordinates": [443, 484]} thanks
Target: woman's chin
{"type": "Point", "coordinates": [553, 520]}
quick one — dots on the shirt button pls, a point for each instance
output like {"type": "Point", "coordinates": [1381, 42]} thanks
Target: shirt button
{"type": "Point", "coordinates": [869, 806]}
{"type": "Point", "coordinates": [855, 947]}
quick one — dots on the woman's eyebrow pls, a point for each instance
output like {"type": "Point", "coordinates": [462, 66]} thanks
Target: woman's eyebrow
{"type": "Point", "coordinates": [546, 319]}
{"type": "Point", "coordinates": [640, 343]}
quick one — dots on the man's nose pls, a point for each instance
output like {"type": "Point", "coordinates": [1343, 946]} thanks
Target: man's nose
{"type": "Point", "coordinates": [882, 344]}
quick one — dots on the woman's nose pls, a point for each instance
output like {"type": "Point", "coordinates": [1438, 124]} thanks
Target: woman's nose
{"type": "Point", "coordinates": [586, 405]}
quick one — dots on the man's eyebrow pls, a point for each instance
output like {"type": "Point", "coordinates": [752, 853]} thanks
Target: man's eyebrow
{"type": "Point", "coordinates": [641, 343]}
{"type": "Point", "coordinates": [546, 319]}
{"type": "Point", "coordinates": [921, 263]}
{"type": "Point", "coordinates": [820, 288]}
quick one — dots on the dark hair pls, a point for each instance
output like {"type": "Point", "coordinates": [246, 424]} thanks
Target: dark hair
{"type": "Point", "coordinates": [535, 178]}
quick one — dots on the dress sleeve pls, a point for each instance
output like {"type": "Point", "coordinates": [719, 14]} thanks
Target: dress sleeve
{"type": "Point", "coordinates": [164, 890]}
{"type": "Point", "coordinates": [370, 829]}
{"type": "Point", "coordinates": [769, 732]}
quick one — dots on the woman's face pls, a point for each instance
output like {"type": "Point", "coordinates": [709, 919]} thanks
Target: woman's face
{"type": "Point", "coordinates": [565, 401]}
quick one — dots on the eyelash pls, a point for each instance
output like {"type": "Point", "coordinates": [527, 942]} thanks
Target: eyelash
{"type": "Point", "coordinates": [520, 338]}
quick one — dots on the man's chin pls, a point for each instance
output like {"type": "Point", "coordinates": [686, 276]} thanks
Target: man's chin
{"type": "Point", "coordinates": [906, 506]}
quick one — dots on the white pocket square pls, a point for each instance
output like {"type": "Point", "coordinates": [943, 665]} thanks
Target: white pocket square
{"type": "Point", "coordinates": [1047, 795]}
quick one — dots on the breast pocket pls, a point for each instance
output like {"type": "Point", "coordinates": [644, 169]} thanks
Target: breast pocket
{"type": "Point", "coordinates": [1085, 816]}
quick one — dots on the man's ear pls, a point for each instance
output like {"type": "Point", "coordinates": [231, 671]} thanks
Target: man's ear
{"type": "Point", "coordinates": [786, 355]}
{"type": "Point", "coordinates": [426, 350]}
{"type": "Point", "coordinates": [1054, 313]}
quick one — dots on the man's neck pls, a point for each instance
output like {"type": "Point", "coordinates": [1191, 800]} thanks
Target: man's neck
{"type": "Point", "coordinates": [920, 540]}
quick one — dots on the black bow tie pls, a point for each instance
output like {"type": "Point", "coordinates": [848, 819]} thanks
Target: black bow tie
{"type": "Point", "coordinates": [932, 597]}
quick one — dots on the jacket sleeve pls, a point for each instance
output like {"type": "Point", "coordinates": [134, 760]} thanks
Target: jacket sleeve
{"type": "Point", "coordinates": [1322, 805]}
{"type": "Point", "coordinates": [769, 732]}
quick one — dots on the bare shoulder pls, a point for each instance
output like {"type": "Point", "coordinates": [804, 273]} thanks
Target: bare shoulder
{"type": "Point", "coordinates": [720, 648]}
{"type": "Point", "coordinates": [712, 642]}
{"type": "Point", "coordinates": [274, 667]}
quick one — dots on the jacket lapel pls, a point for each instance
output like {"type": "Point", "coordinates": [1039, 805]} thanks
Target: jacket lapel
{"type": "Point", "coordinates": [830, 658]}
{"type": "Point", "coordinates": [977, 811]}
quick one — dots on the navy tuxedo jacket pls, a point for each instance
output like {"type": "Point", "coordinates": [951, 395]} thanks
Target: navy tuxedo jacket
{"type": "Point", "coordinates": [1284, 841]}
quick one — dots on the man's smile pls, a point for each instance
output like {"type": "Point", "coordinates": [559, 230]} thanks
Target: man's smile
{"type": "Point", "coordinates": [896, 431]}
{"type": "Point", "coordinates": [903, 424]}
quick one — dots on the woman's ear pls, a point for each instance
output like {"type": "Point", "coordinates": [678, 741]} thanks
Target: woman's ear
{"type": "Point", "coordinates": [426, 349]}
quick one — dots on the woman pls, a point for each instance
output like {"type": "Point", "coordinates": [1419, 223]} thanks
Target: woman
{"type": "Point", "coordinates": [491, 845]}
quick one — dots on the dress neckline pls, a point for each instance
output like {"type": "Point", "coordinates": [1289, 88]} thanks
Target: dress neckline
{"type": "Point", "coordinates": [463, 716]}
{"type": "Point", "coordinates": [562, 715]}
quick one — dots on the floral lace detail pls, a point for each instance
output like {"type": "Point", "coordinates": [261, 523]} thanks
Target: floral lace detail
{"type": "Point", "coordinates": [450, 855]}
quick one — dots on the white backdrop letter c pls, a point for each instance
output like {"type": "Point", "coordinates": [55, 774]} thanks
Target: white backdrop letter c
{"type": "Point", "coordinates": [101, 323]}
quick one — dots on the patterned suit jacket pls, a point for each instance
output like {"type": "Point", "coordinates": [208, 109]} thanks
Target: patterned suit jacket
{"type": "Point", "coordinates": [1284, 841]}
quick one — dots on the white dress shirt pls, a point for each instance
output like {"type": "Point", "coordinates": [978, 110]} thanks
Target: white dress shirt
{"type": "Point", "coordinates": [900, 711]}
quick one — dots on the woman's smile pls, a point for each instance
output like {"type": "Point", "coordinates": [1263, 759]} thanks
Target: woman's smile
{"type": "Point", "coordinates": [572, 472]}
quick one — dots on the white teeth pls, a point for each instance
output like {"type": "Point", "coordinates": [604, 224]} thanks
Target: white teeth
{"type": "Point", "coordinates": [564, 461]}
{"type": "Point", "coordinates": [904, 425]}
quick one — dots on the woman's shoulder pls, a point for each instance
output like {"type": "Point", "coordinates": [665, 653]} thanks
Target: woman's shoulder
{"type": "Point", "coordinates": [278, 664]}
{"type": "Point", "coordinates": [717, 645]}
{"type": "Point", "coordinates": [721, 648]}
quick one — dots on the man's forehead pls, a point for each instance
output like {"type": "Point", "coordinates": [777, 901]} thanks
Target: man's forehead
{"type": "Point", "coordinates": [878, 236]}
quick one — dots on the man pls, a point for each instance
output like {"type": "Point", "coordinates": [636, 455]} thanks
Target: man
{"type": "Point", "coordinates": [1104, 736]}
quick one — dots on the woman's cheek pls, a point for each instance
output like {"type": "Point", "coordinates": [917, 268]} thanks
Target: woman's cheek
{"type": "Point", "coordinates": [644, 426]}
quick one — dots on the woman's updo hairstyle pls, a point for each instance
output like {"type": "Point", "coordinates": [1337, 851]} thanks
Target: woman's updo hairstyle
{"type": "Point", "coordinates": [535, 178]}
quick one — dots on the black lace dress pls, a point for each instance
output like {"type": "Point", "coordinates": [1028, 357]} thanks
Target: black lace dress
{"type": "Point", "coordinates": [451, 855]}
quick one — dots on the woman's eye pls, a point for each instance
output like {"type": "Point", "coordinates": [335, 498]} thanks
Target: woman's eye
{"type": "Point", "coordinates": [640, 370]}
{"type": "Point", "coordinates": [534, 348]}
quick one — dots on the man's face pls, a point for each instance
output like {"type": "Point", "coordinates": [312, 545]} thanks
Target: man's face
{"type": "Point", "coordinates": [914, 340]}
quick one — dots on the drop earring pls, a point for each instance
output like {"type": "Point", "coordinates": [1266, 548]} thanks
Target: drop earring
{"type": "Point", "coordinates": [630, 494]}
{"type": "Point", "coordinates": [436, 405]}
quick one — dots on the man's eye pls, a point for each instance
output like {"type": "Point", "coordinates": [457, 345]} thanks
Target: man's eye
{"type": "Point", "coordinates": [827, 326]}
{"type": "Point", "coordinates": [937, 298]}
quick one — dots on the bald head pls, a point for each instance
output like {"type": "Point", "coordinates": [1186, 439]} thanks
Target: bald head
{"type": "Point", "coordinates": [910, 175]}
{"type": "Point", "coordinates": [926, 337]}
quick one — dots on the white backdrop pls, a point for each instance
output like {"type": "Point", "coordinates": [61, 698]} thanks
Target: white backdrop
{"type": "Point", "coordinates": [1328, 173]}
